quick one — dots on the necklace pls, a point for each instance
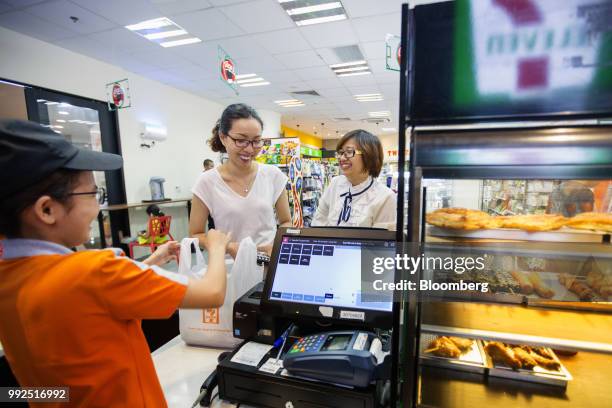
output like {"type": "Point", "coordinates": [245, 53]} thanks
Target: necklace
{"type": "Point", "coordinates": [244, 187]}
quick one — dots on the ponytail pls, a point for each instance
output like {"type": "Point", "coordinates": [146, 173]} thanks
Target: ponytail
{"type": "Point", "coordinates": [215, 140]}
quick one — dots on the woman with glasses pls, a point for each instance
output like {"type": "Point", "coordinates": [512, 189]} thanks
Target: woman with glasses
{"type": "Point", "coordinates": [241, 195]}
{"type": "Point", "coordinates": [356, 198]}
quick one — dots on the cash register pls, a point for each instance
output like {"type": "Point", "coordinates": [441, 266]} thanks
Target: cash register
{"type": "Point", "coordinates": [327, 335]}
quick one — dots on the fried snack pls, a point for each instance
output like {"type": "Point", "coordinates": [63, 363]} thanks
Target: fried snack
{"type": "Point", "coordinates": [591, 221]}
{"type": "Point", "coordinates": [502, 354]}
{"type": "Point", "coordinates": [538, 350]}
{"type": "Point", "coordinates": [533, 222]}
{"type": "Point", "coordinates": [601, 282]}
{"type": "Point", "coordinates": [527, 361]}
{"type": "Point", "coordinates": [581, 290]}
{"type": "Point", "coordinates": [547, 363]}
{"type": "Point", "coordinates": [459, 218]}
{"type": "Point", "coordinates": [540, 288]}
{"type": "Point", "coordinates": [462, 343]}
{"type": "Point", "coordinates": [523, 281]}
{"type": "Point", "coordinates": [443, 347]}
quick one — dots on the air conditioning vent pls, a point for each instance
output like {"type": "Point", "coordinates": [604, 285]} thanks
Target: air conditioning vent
{"type": "Point", "coordinates": [348, 53]}
{"type": "Point", "coordinates": [376, 120]}
{"type": "Point", "coordinates": [341, 119]}
{"type": "Point", "coordinates": [309, 93]}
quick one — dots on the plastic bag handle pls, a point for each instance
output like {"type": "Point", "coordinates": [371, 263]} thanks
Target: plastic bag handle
{"type": "Point", "coordinates": [185, 254]}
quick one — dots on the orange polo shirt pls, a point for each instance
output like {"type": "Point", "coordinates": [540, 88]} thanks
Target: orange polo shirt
{"type": "Point", "coordinates": [72, 319]}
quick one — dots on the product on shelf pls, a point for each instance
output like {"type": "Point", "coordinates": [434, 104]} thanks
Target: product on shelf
{"type": "Point", "coordinates": [532, 222]}
{"type": "Point", "coordinates": [540, 288]}
{"type": "Point", "coordinates": [601, 282]}
{"type": "Point", "coordinates": [450, 347]}
{"type": "Point", "coordinates": [521, 356]}
{"type": "Point", "coordinates": [459, 218]}
{"type": "Point", "coordinates": [581, 289]}
{"type": "Point", "coordinates": [591, 221]}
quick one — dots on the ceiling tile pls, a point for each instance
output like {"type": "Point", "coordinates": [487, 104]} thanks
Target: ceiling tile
{"type": "Point", "coordinates": [34, 26]}
{"type": "Point", "coordinates": [59, 12]}
{"type": "Point", "coordinates": [374, 49]}
{"type": "Point", "coordinates": [282, 41]}
{"type": "Point", "coordinates": [173, 7]}
{"type": "Point", "coordinates": [357, 81]}
{"type": "Point", "coordinates": [261, 64]}
{"type": "Point", "coordinates": [208, 24]}
{"type": "Point", "coordinates": [120, 11]}
{"type": "Point", "coordinates": [333, 92]}
{"type": "Point", "coordinates": [334, 34]}
{"type": "Point", "coordinates": [377, 27]}
{"type": "Point", "coordinates": [258, 16]}
{"type": "Point", "coordinates": [361, 8]}
{"type": "Point", "coordinates": [162, 58]}
{"type": "Point", "coordinates": [203, 54]}
{"type": "Point", "coordinates": [322, 72]}
{"type": "Point", "coordinates": [133, 64]}
{"type": "Point", "coordinates": [319, 84]}
{"type": "Point", "coordinates": [276, 76]}
{"type": "Point", "coordinates": [91, 48]}
{"type": "Point", "coordinates": [300, 59]}
{"type": "Point", "coordinates": [242, 47]}
{"type": "Point", "coordinates": [191, 71]}
{"type": "Point", "coordinates": [123, 40]}
{"type": "Point", "coordinates": [21, 3]}
{"type": "Point", "coordinates": [219, 3]}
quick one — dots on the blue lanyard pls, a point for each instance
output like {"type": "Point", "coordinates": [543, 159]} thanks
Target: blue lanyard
{"type": "Point", "coordinates": [345, 213]}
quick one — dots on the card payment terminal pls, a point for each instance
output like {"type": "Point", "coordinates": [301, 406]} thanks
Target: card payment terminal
{"type": "Point", "coordinates": [341, 357]}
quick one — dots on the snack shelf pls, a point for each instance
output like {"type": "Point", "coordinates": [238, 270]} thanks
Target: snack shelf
{"type": "Point", "coordinates": [563, 234]}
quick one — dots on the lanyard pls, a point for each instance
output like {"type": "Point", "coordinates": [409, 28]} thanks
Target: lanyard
{"type": "Point", "coordinates": [345, 212]}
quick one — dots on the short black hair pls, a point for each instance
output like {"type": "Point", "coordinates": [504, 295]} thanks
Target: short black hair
{"type": "Point", "coordinates": [224, 124]}
{"type": "Point", "coordinates": [371, 148]}
{"type": "Point", "coordinates": [58, 186]}
{"type": "Point", "coordinates": [208, 162]}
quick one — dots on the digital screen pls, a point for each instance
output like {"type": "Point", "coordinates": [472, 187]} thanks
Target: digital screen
{"type": "Point", "coordinates": [326, 271]}
{"type": "Point", "coordinates": [336, 342]}
{"type": "Point", "coordinates": [496, 58]}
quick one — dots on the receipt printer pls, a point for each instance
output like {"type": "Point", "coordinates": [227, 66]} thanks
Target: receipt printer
{"type": "Point", "coordinates": [250, 323]}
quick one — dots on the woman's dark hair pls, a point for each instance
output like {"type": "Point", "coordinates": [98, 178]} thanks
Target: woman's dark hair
{"type": "Point", "coordinates": [224, 124]}
{"type": "Point", "coordinates": [154, 210]}
{"type": "Point", "coordinates": [372, 151]}
{"type": "Point", "coordinates": [58, 186]}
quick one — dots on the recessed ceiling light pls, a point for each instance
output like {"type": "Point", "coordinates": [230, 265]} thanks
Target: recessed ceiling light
{"type": "Point", "coordinates": [289, 103]}
{"type": "Point", "coordinates": [60, 120]}
{"type": "Point", "coordinates": [176, 43]}
{"type": "Point", "coordinates": [388, 129]}
{"type": "Point", "coordinates": [51, 103]}
{"type": "Point", "coordinates": [58, 127]}
{"type": "Point", "coordinates": [158, 29]}
{"type": "Point", "coordinates": [359, 67]}
{"type": "Point", "coordinates": [63, 113]}
{"type": "Point", "coordinates": [255, 84]}
{"type": "Point", "coordinates": [369, 97]}
{"type": "Point", "coordinates": [305, 13]}
{"type": "Point", "coordinates": [41, 100]}
{"type": "Point", "coordinates": [379, 114]}
{"type": "Point", "coordinates": [242, 76]}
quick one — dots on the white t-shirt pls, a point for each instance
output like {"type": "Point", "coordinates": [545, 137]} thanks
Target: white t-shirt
{"type": "Point", "coordinates": [375, 207]}
{"type": "Point", "coordinates": [250, 216]}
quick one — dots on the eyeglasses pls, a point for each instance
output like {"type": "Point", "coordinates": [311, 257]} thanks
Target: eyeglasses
{"type": "Point", "coordinates": [100, 194]}
{"type": "Point", "coordinates": [348, 153]}
{"type": "Point", "coordinates": [243, 143]}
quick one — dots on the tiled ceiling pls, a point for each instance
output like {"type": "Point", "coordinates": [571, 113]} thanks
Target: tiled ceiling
{"type": "Point", "coordinates": [258, 34]}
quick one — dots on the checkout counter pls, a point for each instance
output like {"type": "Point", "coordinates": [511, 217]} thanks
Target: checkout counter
{"type": "Point", "coordinates": [311, 335]}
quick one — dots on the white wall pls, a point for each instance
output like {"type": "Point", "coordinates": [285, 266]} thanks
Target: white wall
{"type": "Point", "coordinates": [188, 118]}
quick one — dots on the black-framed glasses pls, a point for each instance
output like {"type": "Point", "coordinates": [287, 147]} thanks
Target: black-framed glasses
{"type": "Point", "coordinates": [348, 153]}
{"type": "Point", "coordinates": [100, 194]}
{"type": "Point", "coordinates": [243, 143]}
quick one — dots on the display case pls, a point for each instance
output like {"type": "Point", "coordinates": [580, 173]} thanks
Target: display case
{"type": "Point", "coordinates": [541, 333]}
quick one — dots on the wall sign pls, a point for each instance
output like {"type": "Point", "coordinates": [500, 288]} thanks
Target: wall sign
{"type": "Point", "coordinates": [118, 95]}
{"type": "Point", "coordinates": [227, 69]}
{"type": "Point", "coordinates": [392, 52]}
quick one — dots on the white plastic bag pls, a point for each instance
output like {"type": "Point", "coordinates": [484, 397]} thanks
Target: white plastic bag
{"type": "Point", "coordinates": [214, 327]}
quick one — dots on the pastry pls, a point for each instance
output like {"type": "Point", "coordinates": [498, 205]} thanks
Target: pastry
{"type": "Point", "coordinates": [540, 288]}
{"type": "Point", "coordinates": [532, 222]}
{"type": "Point", "coordinates": [459, 218]}
{"type": "Point", "coordinates": [591, 221]}
{"type": "Point", "coordinates": [601, 282]}
{"type": "Point", "coordinates": [462, 343]}
{"type": "Point", "coordinates": [523, 281]}
{"type": "Point", "coordinates": [584, 292]}
{"type": "Point", "coordinates": [525, 357]}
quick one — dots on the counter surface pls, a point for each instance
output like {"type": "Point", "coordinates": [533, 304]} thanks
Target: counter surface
{"type": "Point", "coordinates": [182, 369]}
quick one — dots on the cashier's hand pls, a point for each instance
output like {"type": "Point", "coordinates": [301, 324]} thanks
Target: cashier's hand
{"type": "Point", "coordinates": [165, 253]}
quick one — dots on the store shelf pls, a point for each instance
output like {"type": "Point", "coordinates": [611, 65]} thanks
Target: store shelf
{"type": "Point", "coordinates": [561, 235]}
{"type": "Point", "coordinates": [589, 388]}
{"type": "Point", "coordinates": [570, 325]}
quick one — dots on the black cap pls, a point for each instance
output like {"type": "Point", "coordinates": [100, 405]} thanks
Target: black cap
{"type": "Point", "coordinates": [29, 152]}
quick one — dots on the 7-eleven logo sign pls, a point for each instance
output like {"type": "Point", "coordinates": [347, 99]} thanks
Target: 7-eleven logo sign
{"type": "Point", "coordinates": [526, 47]}
{"type": "Point", "coordinates": [211, 315]}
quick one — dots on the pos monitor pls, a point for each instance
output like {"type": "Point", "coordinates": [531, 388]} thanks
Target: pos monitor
{"type": "Point", "coordinates": [316, 273]}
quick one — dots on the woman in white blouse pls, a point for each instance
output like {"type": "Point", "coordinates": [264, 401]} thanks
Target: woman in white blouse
{"type": "Point", "coordinates": [356, 198]}
{"type": "Point", "coordinates": [241, 195]}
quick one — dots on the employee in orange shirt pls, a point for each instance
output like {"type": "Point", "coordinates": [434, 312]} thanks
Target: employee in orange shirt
{"type": "Point", "coordinates": [72, 319]}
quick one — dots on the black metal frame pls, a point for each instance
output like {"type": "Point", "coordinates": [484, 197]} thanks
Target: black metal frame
{"type": "Point", "coordinates": [111, 142]}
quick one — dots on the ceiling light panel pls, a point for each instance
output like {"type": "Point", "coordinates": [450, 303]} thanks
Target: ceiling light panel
{"type": "Point", "coordinates": [248, 80]}
{"type": "Point", "coordinates": [308, 12]}
{"type": "Point", "coordinates": [289, 103]}
{"type": "Point", "coordinates": [351, 68]}
{"type": "Point", "coordinates": [369, 97]}
{"type": "Point", "coordinates": [164, 32]}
